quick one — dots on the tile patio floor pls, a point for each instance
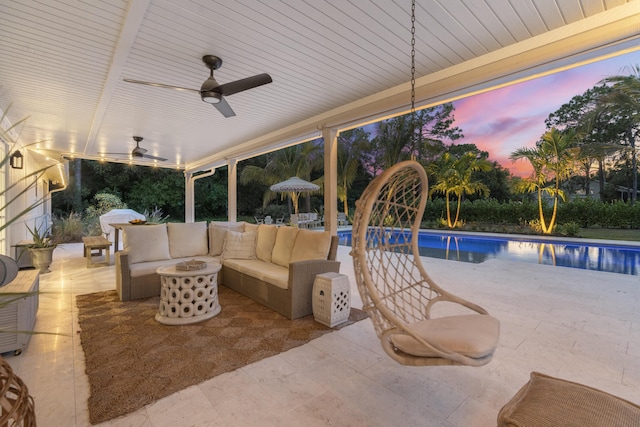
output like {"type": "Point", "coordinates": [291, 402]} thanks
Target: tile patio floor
{"type": "Point", "coordinates": [575, 324]}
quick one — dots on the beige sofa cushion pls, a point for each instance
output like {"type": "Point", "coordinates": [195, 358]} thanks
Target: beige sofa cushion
{"type": "Point", "coordinates": [216, 240]}
{"type": "Point", "coordinates": [266, 240]}
{"type": "Point", "coordinates": [250, 227]}
{"type": "Point", "coordinates": [146, 268]}
{"type": "Point", "coordinates": [187, 239]}
{"type": "Point", "coordinates": [146, 243]}
{"type": "Point", "coordinates": [473, 335]}
{"type": "Point", "coordinates": [239, 245]}
{"type": "Point", "coordinates": [268, 272]}
{"type": "Point", "coordinates": [311, 245]}
{"type": "Point", "coordinates": [285, 239]}
{"type": "Point", "coordinates": [218, 232]}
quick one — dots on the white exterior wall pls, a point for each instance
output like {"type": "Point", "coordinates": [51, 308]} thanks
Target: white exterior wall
{"type": "Point", "coordinates": [36, 200]}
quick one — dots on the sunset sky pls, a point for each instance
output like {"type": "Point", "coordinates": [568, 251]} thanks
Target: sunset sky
{"type": "Point", "coordinates": [506, 119]}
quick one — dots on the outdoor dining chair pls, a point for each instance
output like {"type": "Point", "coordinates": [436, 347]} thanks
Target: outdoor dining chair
{"type": "Point", "coordinates": [396, 290]}
{"type": "Point", "coordinates": [342, 219]}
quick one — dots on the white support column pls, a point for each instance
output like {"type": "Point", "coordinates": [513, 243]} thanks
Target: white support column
{"type": "Point", "coordinates": [330, 137]}
{"type": "Point", "coordinates": [189, 197]}
{"type": "Point", "coordinates": [232, 204]}
{"type": "Point", "coordinates": [190, 193]}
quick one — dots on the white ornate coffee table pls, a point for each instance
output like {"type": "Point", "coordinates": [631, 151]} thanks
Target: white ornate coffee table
{"type": "Point", "coordinates": [188, 296]}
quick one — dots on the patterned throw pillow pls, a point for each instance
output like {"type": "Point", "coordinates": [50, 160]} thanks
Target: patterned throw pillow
{"type": "Point", "coordinates": [239, 245]}
{"type": "Point", "coordinates": [217, 233]}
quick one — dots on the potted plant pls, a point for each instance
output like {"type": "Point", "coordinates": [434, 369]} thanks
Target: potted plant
{"type": "Point", "coordinates": [42, 248]}
{"type": "Point", "coordinates": [17, 404]}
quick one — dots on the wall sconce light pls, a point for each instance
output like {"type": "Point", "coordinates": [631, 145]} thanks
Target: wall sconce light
{"type": "Point", "coordinates": [16, 160]}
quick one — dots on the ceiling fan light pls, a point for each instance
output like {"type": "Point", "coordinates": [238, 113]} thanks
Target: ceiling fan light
{"type": "Point", "coordinates": [211, 97]}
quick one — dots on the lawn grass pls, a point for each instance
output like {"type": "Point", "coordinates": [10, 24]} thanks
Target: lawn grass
{"type": "Point", "coordinates": [610, 233]}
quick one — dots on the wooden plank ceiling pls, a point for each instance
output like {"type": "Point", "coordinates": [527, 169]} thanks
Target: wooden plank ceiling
{"type": "Point", "coordinates": [333, 63]}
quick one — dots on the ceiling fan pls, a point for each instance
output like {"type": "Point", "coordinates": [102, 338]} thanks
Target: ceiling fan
{"type": "Point", "coordinates": [211, 91]}
{"type": "Point", "coordinates": [139, 152]}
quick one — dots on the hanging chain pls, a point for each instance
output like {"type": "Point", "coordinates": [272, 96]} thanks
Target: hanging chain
{"type": "Point", "coordinates": [413, 78]}
{"type": "Point", "coordinates": [413, 57]}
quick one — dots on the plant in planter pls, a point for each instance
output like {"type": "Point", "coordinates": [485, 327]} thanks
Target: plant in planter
{"type": "Point", "coordinates": [42, 248]}
{"type": "Point", "coordinates": [17, 404]}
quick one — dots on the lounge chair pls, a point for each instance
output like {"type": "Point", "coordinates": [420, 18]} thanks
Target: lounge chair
{"type": "Point", "coordinates": [395, 288]}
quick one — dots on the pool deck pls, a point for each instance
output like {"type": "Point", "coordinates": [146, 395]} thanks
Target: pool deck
{"type": "Point", "coordinates": [576, 324]}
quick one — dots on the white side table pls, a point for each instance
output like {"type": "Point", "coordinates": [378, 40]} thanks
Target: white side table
{"type": "Point", "coordinates": [19, 315]}
{"type": "Point", "coordinates": [188, 296]}
{"type": "Point", "coordinates": [331, 299]}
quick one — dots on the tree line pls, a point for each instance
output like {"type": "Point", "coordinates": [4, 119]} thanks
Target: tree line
{"type": "Point", "coordinates": [593, 133]}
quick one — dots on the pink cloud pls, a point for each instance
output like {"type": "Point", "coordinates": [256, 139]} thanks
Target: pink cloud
{"type": "Point", "coordinates": [512, 117]}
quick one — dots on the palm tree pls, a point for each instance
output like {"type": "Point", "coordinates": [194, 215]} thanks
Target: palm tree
{"type": "Point", "coordinates": [454, 176]}
{"type": "Point", "coordinates": [418, 135]}
{"type": "Point", "coordinates": [624, 99]}
{"type": "Point", "coordinates": [351, 144]}
{"type": "Point", "coordinates": [299, 160]}
{"type": "Point", "coordinates": [392, 140]}
{"type": "Point", "coordinates": [551, 159]}
{"type": "Point", "coordinates": [600, 130]}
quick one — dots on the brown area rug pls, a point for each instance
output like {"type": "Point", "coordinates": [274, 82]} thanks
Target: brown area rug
{"type": "Point", "coordinates": [132, 360]}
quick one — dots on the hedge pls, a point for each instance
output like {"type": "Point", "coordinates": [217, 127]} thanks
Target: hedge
{"type": "Point", "coordinates": [585, 212]}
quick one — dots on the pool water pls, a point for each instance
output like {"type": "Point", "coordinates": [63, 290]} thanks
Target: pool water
{"type": "Point", "coordinates": [477, 248]}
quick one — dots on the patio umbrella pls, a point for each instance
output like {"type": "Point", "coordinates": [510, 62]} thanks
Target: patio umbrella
{"type": "Point", "coordinates": [294, 186]}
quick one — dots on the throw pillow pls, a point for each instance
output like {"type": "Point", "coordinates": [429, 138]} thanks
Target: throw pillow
{"type": "Point", "coordinates": [146, 243]}
{"type": "Point", "coordinates": [311, 245]}
{"type": "Point", "coordinates": [216, 240]}
{"type": "Point", "coordinates": [187, 239]}
{"type": "Point", "coordinates": [285, 239]}
{"type": "Point", "coordinates": [266, 240]}
{"type": "Point", "coordinates": [217, 233]}
{"type": "Point", "coordinates": [239, 245]}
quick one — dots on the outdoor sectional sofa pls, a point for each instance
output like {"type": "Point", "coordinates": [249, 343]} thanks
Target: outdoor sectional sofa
{"type": "Point", "coordinates": [275, 266]}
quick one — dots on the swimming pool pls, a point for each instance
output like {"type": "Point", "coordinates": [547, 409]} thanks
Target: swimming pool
{"type": "Point", "coordinates": [476, 248]}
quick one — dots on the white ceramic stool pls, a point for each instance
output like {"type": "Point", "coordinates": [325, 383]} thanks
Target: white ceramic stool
{"type": "Point", "coordinates": [331, 299]}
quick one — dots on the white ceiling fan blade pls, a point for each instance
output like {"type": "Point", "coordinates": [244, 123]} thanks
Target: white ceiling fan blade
{"type": "Point", "coordinates": [162, 85]}
{"type": "Point", "coordinates": [224, 108]}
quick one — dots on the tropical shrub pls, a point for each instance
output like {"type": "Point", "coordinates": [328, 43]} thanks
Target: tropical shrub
{"type": "Point", "coordinates": [68, 229]}
{"type": "Point", "coordinates": [104, 202]}
{"type": "Point", "coordinates": [155, 215]}
{"type": "Point", "coordinates": [570, 229]}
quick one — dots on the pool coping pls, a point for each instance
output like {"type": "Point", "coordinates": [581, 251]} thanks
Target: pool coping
{"type": "Point", "coordinates": [559, 239]}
